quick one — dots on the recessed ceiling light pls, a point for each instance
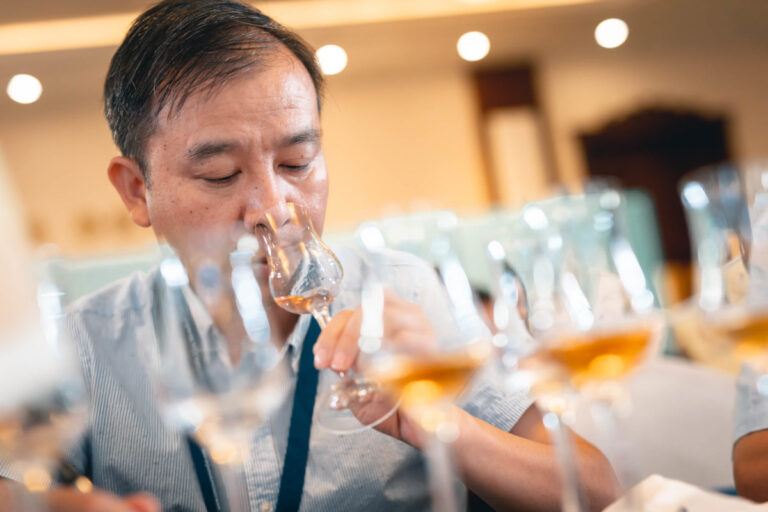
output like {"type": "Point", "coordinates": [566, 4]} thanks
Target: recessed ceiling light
{"type": "Point", "coordinates": [332, 58]}
{"type": "Point", "coordinates": [24, 89]}
{"type": "Point", "coordinates": [611, 33]}
{"type": "Point", "coordinates": [473, 46]}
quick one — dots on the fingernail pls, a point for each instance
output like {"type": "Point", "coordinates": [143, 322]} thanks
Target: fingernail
{"type": "Point", "coordinates": [319, 358]}
{"type": "Point", "coordinates": [339, 362]}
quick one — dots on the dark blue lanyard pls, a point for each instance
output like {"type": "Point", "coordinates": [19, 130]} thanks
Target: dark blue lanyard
{"type": "Point", "coordinates": [295, 463]}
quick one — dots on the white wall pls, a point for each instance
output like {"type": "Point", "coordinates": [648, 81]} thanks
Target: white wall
{"type": "Point", "coordinates": [401, 141]}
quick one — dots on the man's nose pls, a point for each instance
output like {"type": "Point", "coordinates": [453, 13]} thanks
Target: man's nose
{"type": "Point", "coordinates": [266, 207]}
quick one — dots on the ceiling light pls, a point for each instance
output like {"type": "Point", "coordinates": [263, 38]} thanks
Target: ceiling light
{"type": "Point", "coordinates": [611, 33]}
{"type": "Point", "coordinates": [332, 58]}
{"type": "Point", "coordinates": [24, 89]}
{"type": "Point", "coordinates": [473, 46]}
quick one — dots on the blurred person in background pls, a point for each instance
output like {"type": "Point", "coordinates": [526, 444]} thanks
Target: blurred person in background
{"type": "Point", "coordinates": [216, 110]}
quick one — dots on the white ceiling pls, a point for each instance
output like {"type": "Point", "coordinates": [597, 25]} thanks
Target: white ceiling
{"type": "Point", "coordinates": [17, 11]}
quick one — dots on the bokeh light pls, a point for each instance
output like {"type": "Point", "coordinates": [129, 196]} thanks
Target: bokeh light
{"type": "Point", "coordinates": [473, 46]}
{"type": "Point", "coordinates": [24, 89]}
{"type": "Point", "coordinates": [611, 33]}
{"type": "Point", "coordinates": [332, 58]}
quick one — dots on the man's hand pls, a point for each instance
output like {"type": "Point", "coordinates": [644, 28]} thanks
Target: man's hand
{"type": "Point", "coordinates": [69, 499]}
{"type": "Point", "coordinates": [407, 328]}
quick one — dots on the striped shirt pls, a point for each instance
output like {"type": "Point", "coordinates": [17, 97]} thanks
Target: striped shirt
{"type": "Point", "coordinates": [131, 449]}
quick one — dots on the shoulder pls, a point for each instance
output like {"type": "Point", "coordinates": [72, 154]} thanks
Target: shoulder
{"type": "Point", "coordinates": [115, 311]}
{"type": "Point", "coordinates": [133, 293]}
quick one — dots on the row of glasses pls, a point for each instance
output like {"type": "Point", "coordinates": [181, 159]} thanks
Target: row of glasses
{"type": "Point", "coordinates": [216, 391]}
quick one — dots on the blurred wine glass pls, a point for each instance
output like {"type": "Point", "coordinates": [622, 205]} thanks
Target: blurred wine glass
{"type": "Point", "coordinates": [43, 409]}
{"type": "Point", "coordinates": [427, 375]}
{"type": "Point", "coordinates": [219, 384]}
{"type": "Point", "coordinates": [591, 316]}
{"type": "Point", "coordinates": [727, 212]}
{"type": "Point", "coordinates": [305, 276]}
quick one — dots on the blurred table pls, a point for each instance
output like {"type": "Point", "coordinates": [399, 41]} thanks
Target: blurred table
{"type": "Point", "coordinates": [681, 423]}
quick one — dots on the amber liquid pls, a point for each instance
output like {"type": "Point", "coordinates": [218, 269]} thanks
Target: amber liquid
{"type": "Point", "coordinates": [302, 304]}
{"type": "Point", "coordinates": [605, 355]}
{"type": "Point", "coordinates": [426, 380]}
{"type": "Point", "coordinates": [748, 335]}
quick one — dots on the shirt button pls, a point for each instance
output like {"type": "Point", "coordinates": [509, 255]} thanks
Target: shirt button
{"type": "Point", "coordinates": [265, 507]}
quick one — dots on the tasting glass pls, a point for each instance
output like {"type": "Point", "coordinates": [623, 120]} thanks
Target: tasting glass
{"type": "Point", "coordinates": [305, 276]}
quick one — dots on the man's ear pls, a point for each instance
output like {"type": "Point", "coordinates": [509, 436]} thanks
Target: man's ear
{"type": "Point", "coordinates": [127, 178]}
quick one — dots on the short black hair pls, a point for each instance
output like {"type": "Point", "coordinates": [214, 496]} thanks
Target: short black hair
{"type": "Point", "coordinates": [179, 47]}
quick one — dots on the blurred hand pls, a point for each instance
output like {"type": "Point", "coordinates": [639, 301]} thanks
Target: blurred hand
{"type": "Point", "coordinates": [406, 328]}
{"type": "Point", "coordinates": [69, 499]}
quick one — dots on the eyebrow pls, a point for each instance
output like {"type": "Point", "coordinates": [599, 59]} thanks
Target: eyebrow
{"type": "Point", "coordinates": [309, 135]}
{"type": "Point", "coordinates": [209, 149]}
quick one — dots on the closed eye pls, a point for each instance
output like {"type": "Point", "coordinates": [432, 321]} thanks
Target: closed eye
{"type": "Point", "coordinates": [222, 179]}
{"type": "Point", "coordinates": [296, 167]}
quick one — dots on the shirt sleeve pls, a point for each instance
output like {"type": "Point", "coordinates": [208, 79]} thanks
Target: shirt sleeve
{"type": "Point", "coordinates": [751, 405]}
{"type": "Point", "coordinates": [486, 400]}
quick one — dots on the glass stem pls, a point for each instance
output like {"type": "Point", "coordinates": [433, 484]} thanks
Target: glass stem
{"type": "Point", "coordinates": [323, 316]}
{"type": "Point", "coordinates": [233, 478]}
{"type": "Point", "coordinates": [441, 476]}
{"type": "Point", "coordinates": [572, 496]}
{"type": "Point", "coordinates": [617, 446]}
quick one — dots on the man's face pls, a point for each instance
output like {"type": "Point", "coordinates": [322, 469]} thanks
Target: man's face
{"type": "Point", "coordinates": [231, 153]}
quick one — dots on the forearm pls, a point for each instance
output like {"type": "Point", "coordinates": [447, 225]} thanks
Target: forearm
{"type": "Point", "coordinates": [514, 473]}
{"type": "Point", "coordinates": [8, 489]}
{"type": "Point", "coordinates": [750, 466]}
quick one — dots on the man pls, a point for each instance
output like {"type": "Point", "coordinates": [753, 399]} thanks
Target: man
{"type": "Point", "coordinates": [216, 110]}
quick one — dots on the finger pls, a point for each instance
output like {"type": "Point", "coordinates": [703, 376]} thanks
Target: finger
{"type": "Point", "coordinates": [143, 503]}
{"type": "Point", "coordinates": [326, 342]}
{"type": "Point", "coordinates": [346, 350]}
{"type": "Point", "coordinates": [405, 322]}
